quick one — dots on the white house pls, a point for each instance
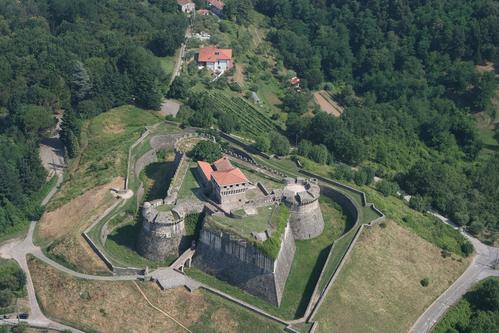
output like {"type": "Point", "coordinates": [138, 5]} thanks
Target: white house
{"type": "Point", "coordinates": [186, 6]}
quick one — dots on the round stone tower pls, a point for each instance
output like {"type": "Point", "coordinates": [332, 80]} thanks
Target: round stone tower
{"type": "Point", "coordinates": [305, 216]}
{"type": "Point", "coordinates": [161, 232]}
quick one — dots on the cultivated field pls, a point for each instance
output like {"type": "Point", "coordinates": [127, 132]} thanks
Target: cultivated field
{"type": "Point", "coordinates": [379, 288]}
{"type": "Point", "coordinates": [120, 307]}
{"type": "Point", "coordinates": [326, 104]}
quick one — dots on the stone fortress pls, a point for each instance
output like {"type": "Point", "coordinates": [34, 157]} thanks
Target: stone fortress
{"type": "Point", "coordinates": [239, 217]}
{"type": "Point", "coordinates": [302, 197]}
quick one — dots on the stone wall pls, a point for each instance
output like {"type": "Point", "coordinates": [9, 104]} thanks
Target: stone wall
{"type": "Point", "coordinates": [240, 263]}
{"type": "Point", "coordinates": [282, 265]}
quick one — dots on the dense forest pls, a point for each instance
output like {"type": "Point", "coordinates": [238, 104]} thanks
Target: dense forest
{"type": "Point", "coordinates": [406, 73]}
{"type": "Point", "coordinates": [477, 312]}
{"type": "Point", "coordinates": [80, 56]}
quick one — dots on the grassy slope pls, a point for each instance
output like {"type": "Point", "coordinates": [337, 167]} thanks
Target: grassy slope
{"type": "Point", "coordinates": [105, 140]}
{"type": "Point", "coordinates": [98, 306]}
{"type": "Point", "coordinates": [379, 288]}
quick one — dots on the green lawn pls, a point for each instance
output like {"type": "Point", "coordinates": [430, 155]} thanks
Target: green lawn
{"type": "Point", "coordinates": [245, 225]}
{"type": "Point", "coordinates": [121, 247]}
{"type": "Point", "coordinates": [190, 184]}
{"type": "Point", "coordinates": [168, 63]}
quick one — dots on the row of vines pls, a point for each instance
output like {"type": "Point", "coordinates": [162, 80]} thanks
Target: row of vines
{"type": "Point", "coordinates": [250, 119]}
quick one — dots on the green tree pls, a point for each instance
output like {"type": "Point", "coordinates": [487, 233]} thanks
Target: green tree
{"type": "Point", "coordinates": [227, 123]}
{"type": "Point", "coordinates": [262, 143]}
{"type": "Point", "coordinates": [208, 151]}
{"type": "Point", "coordinates": [179, 88]}
{"type": "Point", "coordinates": [279, 144]}
{"type": "Point", "coordinates": [70, 130]}
{"type": "Point", "coordinates": [319, 154]}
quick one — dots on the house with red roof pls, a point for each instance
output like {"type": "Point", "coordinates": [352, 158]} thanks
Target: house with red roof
{"type": "Point", "coordinates": [215, 59]}
{"type": "Point", "coordinates": [203, 12]}
{"type": "Point", "coordinates": [227, 183]}
{"type": "Point", "coordinates": [216, 6]}
{"type": "Point", "coordinates": [186, 6]}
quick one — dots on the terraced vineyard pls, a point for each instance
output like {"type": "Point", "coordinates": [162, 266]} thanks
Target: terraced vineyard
{"type": "Point", "coordinates": [252, 121]}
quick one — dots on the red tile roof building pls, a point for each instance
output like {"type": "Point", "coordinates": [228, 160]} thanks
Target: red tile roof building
{"type": "Point", "coordinates": [215, 59]}
{"type": "Point", "coordinates": [202, 12]}
{"type": "Point", "coordinates": [227, 183]}
{"type": "Point", "coordinates": [216, 5]}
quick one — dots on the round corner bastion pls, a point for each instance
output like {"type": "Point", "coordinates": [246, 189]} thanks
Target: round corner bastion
{"type": "Point", "coordinates": [161, 232]}
{"type": "Point", "coordinates": [302, 197]}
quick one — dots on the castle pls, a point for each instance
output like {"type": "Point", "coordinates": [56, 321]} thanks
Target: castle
{"type": "Point", "coordinates": [240, 216]}
{"type": "Point", "coordinates": [227, 183]}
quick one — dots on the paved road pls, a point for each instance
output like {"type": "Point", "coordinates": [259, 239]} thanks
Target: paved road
{"type": "Point", "coordinates": [52, 152]}
{"type": "Point", "coordinates": [481, 267]}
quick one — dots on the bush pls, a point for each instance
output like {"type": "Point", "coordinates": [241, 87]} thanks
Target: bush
{"type": "Point", "coordinates": [467, 248]}
{"type": "Point", "coordinates": [425, 282]}
{"type": "Point", "coordinates": [419, 203]}
{"type": "Point", "coordinates": [387, 187]}
{"type": "Point", "coordinates": [6, 298]}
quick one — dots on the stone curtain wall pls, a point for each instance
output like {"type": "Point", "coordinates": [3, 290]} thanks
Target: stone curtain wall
{"type": "Point", "coordinates": [282, 266]}
{"type": "Point", "coordinates": [242, 264]}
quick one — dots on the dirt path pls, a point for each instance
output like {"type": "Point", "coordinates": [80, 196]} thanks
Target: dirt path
{"type": "Point", "coordinates": [327, 104]}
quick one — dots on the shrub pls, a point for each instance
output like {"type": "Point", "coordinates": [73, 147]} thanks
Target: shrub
{"type": "Point", "coordinates": [387, 187]}
{"type": "Point", "coordinates": [6, 297]}
{"type": "Point", "coordinates": [425, 282]}
{"type": "Point", "coordinates": [467, 248]}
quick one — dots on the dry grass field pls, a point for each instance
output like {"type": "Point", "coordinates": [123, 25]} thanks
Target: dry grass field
{"type": "Point", "coordinates": [119, 306]}
{"type": "Point", "coordinates": [61, 228]}
{"type": "Point", "coordinates": [379, 288]}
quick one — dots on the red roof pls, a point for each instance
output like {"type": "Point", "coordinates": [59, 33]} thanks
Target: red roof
{"type": "Point", "coordinates": [217, 4]}
{"type": "Point", "coordinates": [205, 169]}
{"type": "Point", "coordinates": [212, 54]}
{"type": "Point", "coordinates": [183, 2]}
{"type": "Point", "coordinates": [294, 80]}
{"type": "Point", "coordinates": [234, 176]}
{"type": "Point", "coordinates": [203, 12]}
{"type": "Point", "coordinates": [223, 164]}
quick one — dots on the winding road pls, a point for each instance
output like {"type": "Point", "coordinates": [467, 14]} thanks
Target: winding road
{"type": "Point", "coordinates": [481, 267]}
{"type": "Point", "coordinates": [18, 249]}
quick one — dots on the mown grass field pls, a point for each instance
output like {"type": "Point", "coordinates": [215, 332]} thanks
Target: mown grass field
{"type": "Point", "coordinates": [379, 288]}
{"type": "Point", "coordinates": [97, 306]}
